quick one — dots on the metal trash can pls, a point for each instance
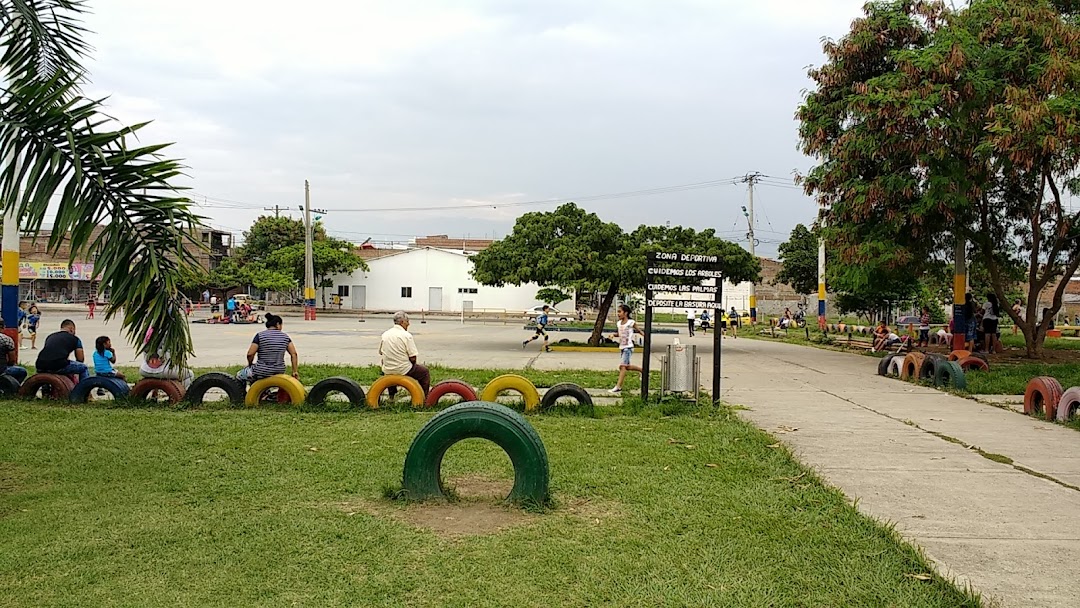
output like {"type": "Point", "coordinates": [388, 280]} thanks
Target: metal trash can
{"type": "Point", "coordinates": [680, 370]}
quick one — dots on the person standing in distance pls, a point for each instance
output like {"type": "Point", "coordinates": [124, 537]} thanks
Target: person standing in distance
{"type": "Point", "coordinates": [541, 324]}
{"type": "Point", "coordinates": [691, 317]}
{"type": "Point", "coordinates": [625, 330]}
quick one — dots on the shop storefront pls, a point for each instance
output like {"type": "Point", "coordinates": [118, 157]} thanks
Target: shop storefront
{"type": "Point", "coordinates": [53, 282]}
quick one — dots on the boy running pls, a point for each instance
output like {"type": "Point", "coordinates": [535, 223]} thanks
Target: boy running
{"type": "Point", "coordinates": [541, 323]}
{"type": "Point", "coordinates": [626, 330]}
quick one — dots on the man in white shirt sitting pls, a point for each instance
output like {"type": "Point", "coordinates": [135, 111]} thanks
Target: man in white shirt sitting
{"type": "Point", "coordinates": [399, 353]}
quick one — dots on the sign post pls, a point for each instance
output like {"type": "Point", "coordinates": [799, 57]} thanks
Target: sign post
{"type": "Point", "coordinates": [673, 281]}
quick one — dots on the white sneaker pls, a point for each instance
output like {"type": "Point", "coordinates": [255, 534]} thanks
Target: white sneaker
{"type": "Point", "coordinates": [615, 391]}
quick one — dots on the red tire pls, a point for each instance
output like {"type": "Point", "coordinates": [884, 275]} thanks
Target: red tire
{"type": "Point", "coordinates": [450, 387]}
{"type": "Point", "coordinates": [1042, 396]}
{"type": "Point", "coordinates": [957, 355]}
{"type": "Point", "coordinates": [51, 386]}
{"type": "Point", "coordinates": [973, 363]}
{"type": "Point", "coordinates": [173, 389]}
{"type": "Point", "coordinates": [910, 368]}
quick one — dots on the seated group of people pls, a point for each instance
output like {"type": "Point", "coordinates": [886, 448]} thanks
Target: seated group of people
{"type": "Point", "coordinates": [265, 356]}
{"type": "Point", "coordinates": [53, 358]}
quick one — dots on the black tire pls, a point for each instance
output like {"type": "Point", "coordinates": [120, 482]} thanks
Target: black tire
{"type": "Point", "coordinates": [232, 387]}
{"type": "Point", "coordinates": [883, 365]}
{"type": "Point", "coordinates": [81, 393]}
{"type": "Point", "coordinates": [928, 368]}
{"type": "Point", "coordinates": [567, 389]}
{"type": "Point", "coordinates": [422, 477]}
{"type": "Point", "coordinates": [9, 386]}
{"type": "Point", "coordinates": [339, 384]}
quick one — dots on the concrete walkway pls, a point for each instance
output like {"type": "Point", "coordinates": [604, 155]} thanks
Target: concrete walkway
{"type": "Point", "coordinates": [991, 495]}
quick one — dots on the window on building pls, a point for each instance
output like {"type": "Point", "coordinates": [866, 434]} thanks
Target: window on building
{"type": "Point", "coordinates": [343, 291]}
{"type": "Point", "coordinates": [206, 237]}
{"type": "Point", "coordinates": [466, 290]}
{"type": "Point", "coordinates": [406, 292]}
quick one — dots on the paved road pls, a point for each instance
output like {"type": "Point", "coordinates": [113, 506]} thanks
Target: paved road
{"type": "Point", "coordinates": [1008, 529]}
{"type": "Point", "coordinates": [904, 452]}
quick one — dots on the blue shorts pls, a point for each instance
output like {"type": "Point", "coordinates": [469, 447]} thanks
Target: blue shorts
{"type": "Point", "coordinates": [626, 354]}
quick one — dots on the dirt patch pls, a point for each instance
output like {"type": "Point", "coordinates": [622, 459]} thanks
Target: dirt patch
{"type": "Point", "coordinates": [478, 510]}
{"type": "Point", "coordinates": [11, 477]}
{"type": "Point", "coordinates": [1018, 355]}
{"type": "Point", "coordinates": [479, 487]}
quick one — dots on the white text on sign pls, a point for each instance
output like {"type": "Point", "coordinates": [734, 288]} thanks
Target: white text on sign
{"type": "Point", "coordinates": [687, 272]}
{"type": "Point", "coordinates": [690, 258]}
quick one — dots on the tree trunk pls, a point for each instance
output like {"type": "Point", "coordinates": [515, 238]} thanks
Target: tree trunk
{"type": "Point", "coordinates": [601, 315]}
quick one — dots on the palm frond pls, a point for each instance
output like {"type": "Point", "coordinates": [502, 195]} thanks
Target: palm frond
{"type": "Point", "coordinates": [59, 142]}
{"type": "Point", "coordinates": [42, 40]}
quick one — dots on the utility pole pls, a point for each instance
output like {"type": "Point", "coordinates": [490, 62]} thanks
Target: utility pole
{"type": "Point", "coordinates": [960, 320]}
{"type": "Point", "coordinates": [750, 180]}
{"type": "Point", "coordinates": [9, 258]}
{"type": "Point", "coordinates": [277, 209]}
{"type": "Point", "coordinates": [309, 254]}
{"type": "Point", "coordinates": [309, 258]}
{"type": "Point", "coordinates": [821, 277]}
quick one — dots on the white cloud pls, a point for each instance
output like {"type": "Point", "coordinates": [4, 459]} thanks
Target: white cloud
{"type": "Point", "coordinates": [419, 103]}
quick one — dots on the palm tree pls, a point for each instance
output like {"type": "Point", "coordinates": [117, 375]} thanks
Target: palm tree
{"type": "Point", "coordinates": [54, 141]}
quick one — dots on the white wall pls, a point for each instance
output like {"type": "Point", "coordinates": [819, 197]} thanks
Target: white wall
{"type": "Point", "coordinates": [422, 269]}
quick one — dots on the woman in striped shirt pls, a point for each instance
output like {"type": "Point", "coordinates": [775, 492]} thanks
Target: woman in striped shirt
{"type": "Point", "coordinates": [266, 355]}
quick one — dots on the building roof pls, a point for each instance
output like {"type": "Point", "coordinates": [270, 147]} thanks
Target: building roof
{"type": "Point", "coordinates": [374, 254]}
{"type": "Point", "coordinates": [442, 241]}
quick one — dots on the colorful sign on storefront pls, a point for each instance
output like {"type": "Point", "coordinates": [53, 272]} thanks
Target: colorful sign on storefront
{"type": "Point", "coordinates": [50, 270]}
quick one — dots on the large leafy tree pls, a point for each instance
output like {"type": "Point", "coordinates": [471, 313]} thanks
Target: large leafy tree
{"type": "Point", "coordinates": [330, 256]}
{"type": "Point", "coordinates": [270, 233]}
{"type": "Point", "coordinates": [54, 141]}
{"type": "Point", "coordinates": [799, 255]}
{"type": "Point", "coordinates": [572, 248]}
{"type": "Point", "coordinates": [934, 125]}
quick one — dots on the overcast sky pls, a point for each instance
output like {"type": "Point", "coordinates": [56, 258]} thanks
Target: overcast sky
{"type": "Point", "coordinates": [415, 103]}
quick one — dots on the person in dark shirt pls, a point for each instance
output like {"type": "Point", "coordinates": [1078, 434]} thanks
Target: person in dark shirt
{"type": "Point", "coordinates": [53, 358]}
{"type": "Point", "coordinates": [7, 357]}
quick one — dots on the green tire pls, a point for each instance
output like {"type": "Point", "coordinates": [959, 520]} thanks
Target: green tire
{"type": "Point", "coordinates": [422, 479]}
{"type": "Point", "coordinates": [949, 374]}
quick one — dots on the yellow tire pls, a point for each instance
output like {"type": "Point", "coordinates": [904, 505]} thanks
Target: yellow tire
{"type": "Point", "coordinates": [282, 382]}
{"type": "Point", "coordinates": [515, 383]}
{"type": "Point", "coordinates": [416, 392]}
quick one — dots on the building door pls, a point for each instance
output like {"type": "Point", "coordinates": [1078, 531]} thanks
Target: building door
{"type": "Point", "coordinates": [359, 296]}
{"type": "Point", "coordinates": [434, 298]}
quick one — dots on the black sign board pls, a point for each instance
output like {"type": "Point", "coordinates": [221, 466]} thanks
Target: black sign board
{"type": "Point", "coordinates": [675, 280]}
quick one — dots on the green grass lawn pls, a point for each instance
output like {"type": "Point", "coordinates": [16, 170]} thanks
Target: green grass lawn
{"type": "Point", "coordinates": [151, 507]}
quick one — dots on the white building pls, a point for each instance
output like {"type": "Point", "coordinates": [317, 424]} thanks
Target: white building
{"type": "Point", "coordinates": [429, 279]}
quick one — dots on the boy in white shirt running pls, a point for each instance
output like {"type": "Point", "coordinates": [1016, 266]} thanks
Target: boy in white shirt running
{"type": "Point", "coordinates": [626, 330]}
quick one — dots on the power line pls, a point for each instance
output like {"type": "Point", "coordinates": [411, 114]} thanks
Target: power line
{"type": "Point", "coordinates": [211, 202]}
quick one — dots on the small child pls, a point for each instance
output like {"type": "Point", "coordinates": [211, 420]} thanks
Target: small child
{"type": "Point", "coordinates": [924, 328]}
{"type": "Point", "coordinates": [104, 358]}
